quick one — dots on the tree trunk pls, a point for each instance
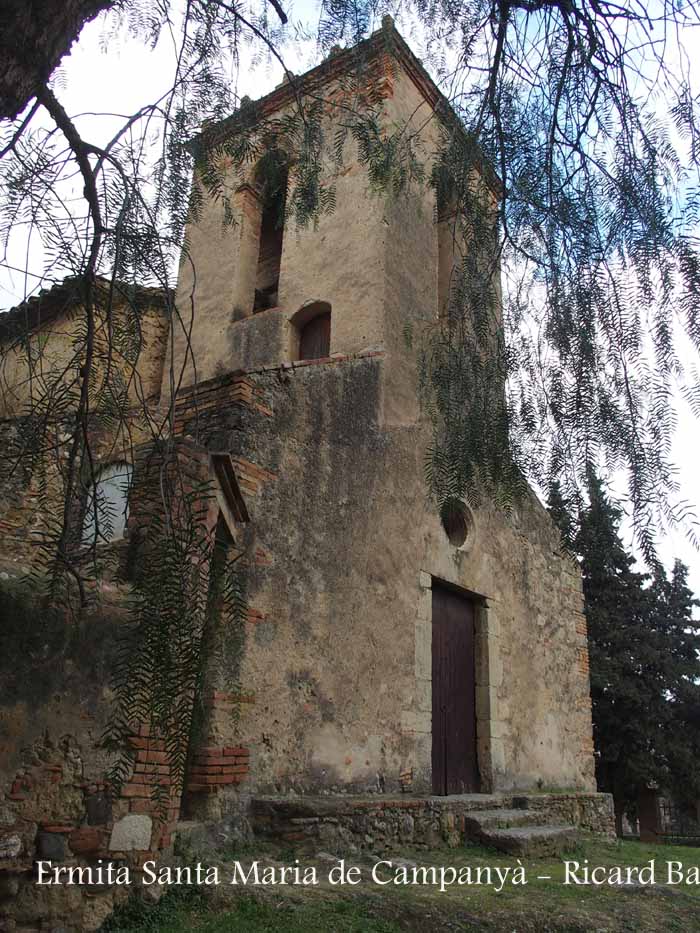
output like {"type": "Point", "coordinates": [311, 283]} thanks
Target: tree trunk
{"type": "Point", "coordinates": [34, 37]}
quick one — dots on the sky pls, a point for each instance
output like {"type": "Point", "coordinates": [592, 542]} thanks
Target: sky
{"type": "Point", "coordinates": [108, 73]}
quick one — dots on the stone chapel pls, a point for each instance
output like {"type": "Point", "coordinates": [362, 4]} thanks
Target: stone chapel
{"type": "Point", "coordinates": [386, 651]}
{"type": "Point", "coordinates": [387, 655]}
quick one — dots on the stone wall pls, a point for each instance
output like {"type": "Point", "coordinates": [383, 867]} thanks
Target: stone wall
{"type": "Point", "coordinates": [591, 812]}
{"type": "Point", "coordinates": [387, 823]}
{"type": "Point", "coordinates": [58, 808]}
{"type": "Point", "coordinates": [57, 701]}
{"type": "Point", "coordinates": [55, 803]}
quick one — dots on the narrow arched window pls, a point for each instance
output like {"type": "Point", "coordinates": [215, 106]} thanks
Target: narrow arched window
{"type": "Point", "coordinates": [107, 504]}
{"type": "Point", "coordinates": [272, 175]}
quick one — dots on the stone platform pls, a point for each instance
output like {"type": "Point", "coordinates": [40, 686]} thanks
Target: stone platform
{"type": "Point", "coordinates": [523, 824]}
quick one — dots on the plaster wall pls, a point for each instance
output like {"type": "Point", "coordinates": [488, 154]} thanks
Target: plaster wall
{"type": "Point", "coordinates": [36, 365]}
{"type": "Point", "coordinates": [340, 259]}
{"type": "Point", "coordinates": [337, 654]}
{"type": "Point", "coordinates": [410, 292]}
{"type": "Point", "coordinates": [216, 282]}
{"type": "Point", "coordinates": [336, 667]}
{"type": "Point", "coordinates": [374, 260]}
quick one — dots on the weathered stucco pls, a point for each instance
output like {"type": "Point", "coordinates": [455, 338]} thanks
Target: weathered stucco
{"type": "Point", "coordinates": [340, 544]}
{"type": "Point", "coordinates": [42, 345]}
{"type": "Point", "coordinates": [338, 649]}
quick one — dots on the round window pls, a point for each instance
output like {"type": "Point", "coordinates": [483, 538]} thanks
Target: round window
{"type": "Point", "coordinates": [456, 521]}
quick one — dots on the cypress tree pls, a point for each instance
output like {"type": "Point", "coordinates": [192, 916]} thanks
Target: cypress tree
{"type": "Point", "coordinates": [644, 663]}
{"type": "Point", "coordinates": [561, 512]}
{"type": "Point", "coordinates": [680, 634]}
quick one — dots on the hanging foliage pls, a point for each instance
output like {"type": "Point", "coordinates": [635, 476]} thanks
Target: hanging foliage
{"type": "Point", "coordinates": [186, 626]}
{"type": "Point", "coordinates": [582, 128]}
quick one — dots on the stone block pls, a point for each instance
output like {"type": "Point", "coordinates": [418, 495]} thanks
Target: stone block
{"type": "Point", "coordinates": [486, 702]}
{"type": "Point", "coordinates": [423, 651]}
{"type": "Point", "coordinates": [425, 605]}
{"type": "Point", "coordinates": [415, 722]}
{"type": "Point", "coordinates": [8, 817]}
{"type": "Point", "coordinates": [498, 756]}
{"type": "Point", "coordinates": [489, 668]}
{"type": "Point", "coordinates": [85, 841]}
{"type": "Point", "coordinates": [132, 832]}
{"type": "Point", "coordinates": [51, 846]}
{"type": "Point", "coordinates": [406, 828]}
{"type": "Point", "coordinates": [491, 728]}
{"type": "Point", "coordinates": [10, 845]}
{"type": "Point", "coordinates": [424, 695]}
{"type": "Point", "coordinates": [487, 623]}
{"type": "Point", "coordinates": [532, 841]}
{"type": "Point", "coordinates": [99, 808]}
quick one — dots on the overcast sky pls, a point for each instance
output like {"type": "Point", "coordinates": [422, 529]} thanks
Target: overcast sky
{"type": "Point", "coordinates": [120, 75]}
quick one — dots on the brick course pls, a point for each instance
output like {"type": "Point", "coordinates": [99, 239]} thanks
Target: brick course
{"type": "Point", "coordinates": [214, 767]}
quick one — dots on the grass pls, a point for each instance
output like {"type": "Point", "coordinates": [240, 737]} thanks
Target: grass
{"type": "Point", "coordinates": [182, 913]}
{"type": "Point", "coordinates": [541, 906]}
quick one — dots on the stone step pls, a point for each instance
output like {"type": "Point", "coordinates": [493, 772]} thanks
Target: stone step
{"type": "Point", "coordinates": [531, 841]}
{"type": "Point", "coordinates": [477, 821]}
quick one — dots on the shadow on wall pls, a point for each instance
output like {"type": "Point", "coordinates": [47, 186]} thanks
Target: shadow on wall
{"type": "Point", "coordinates": [42, 652]}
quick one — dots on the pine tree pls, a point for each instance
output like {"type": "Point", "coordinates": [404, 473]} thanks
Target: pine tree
{"type": "Point", "coordinates": [619, 613]}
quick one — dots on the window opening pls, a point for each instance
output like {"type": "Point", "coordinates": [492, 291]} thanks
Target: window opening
{"type": "Point", "coordinates": [271, 237]}
{"type": "Point", "coordinates": [456, 522]}
{"type": "Point", "coordinates": [107, 507]}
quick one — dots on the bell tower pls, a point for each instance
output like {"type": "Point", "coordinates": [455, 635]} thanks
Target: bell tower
{"type": "Point", "coordinates": [255, 290]}
{"type": "Point", "coordinates": [387, 645]}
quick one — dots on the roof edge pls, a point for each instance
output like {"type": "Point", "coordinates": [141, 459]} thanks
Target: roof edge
{"type": "Point", "coordinates": [51, 303]}
{"type": "Point", "coordinates": [385, 40]}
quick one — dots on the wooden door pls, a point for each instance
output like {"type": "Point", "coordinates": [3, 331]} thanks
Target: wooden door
{"type": "Point", "coordinates": [454, 760]}
{"type": "Point", "coordinates": [315, 339]}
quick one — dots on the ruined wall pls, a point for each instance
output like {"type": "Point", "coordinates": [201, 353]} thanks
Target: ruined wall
{"type": "Point", "coordinates": [41, 350]}
{"type": "Point", "coordinates": [58, 660]}
{"type": "Point", "coordinates": [55, 702]}
{"type": "Point", "coordinates": [58, 800]}
{"type": "Point", "coordinates": [386, 823]}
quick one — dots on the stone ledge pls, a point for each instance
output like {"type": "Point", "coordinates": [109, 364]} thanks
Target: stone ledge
{"type": "Point", "coordinates": [378, 822]}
